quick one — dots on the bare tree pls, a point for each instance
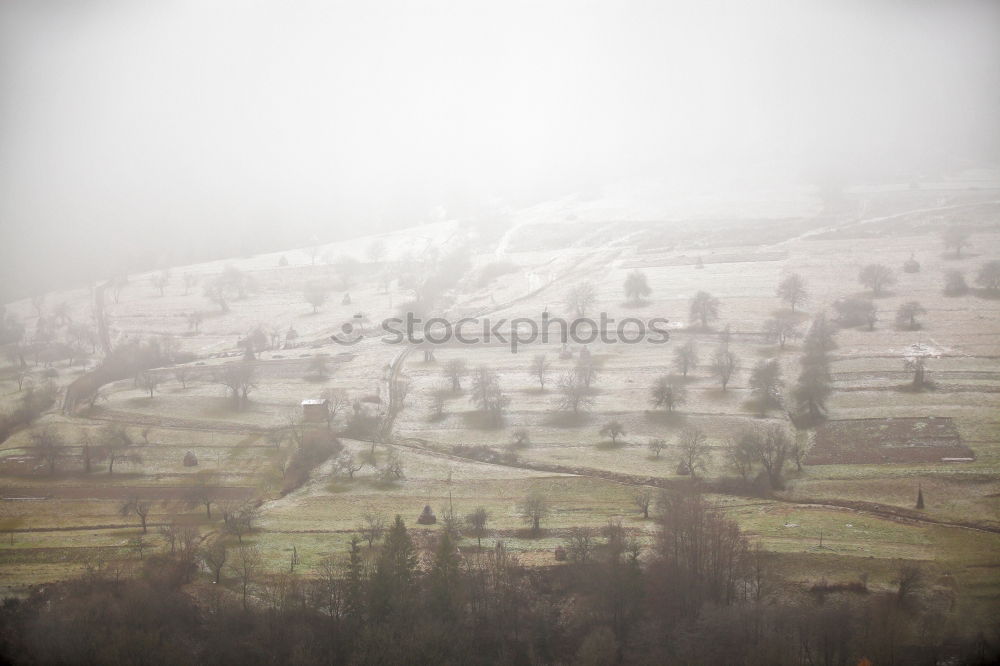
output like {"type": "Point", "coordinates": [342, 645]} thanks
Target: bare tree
{"type": "Point", "coordinates": [140, 508]}
{"type": "Point", "coordinates": [792, 290]}
{"type": "Point", "coordinates": [315, 295]}
{"type": "Point", "coordinates": [781, 329]}
{"type": "Point", "coordinates": [149, 381]}
{"type": "Point", "coordinates": [668, 393]}
{"type": "Point", "coordinates": [345, 464]}
{"type": "Point", "coordinates": [194, 320]}
{"type": "Point", "coordinates": [643, 498]}
{"type": "Point", "coordinates": [906, 315]}
{"type": "Point", "coordinates": [160, 281]}
{"type": "Point", "coordinates": [988, 276]}
{"type": "Point", "coordinates": [574, 393]}
{"type": "Point", "coordinates": [118, 446]}
{"type": "Point", "coordinates": [877, 277]}
{"type": "Point", "coordinates": [372, 526]}
{"type": "Point", "coordinates": [704, 308]}
{"type": "Point", "coordinates": [693, 449]}
{"type": "Point", "coordinates": [476, 522]}
{"type": "Point", "coordinates": [686, 357]}
{"type": "Point", "coordinates": [773, 446]}
{"type": "Point", "coordinates": [214, 554]}
{"type": "Point", "coordinates": [246, 564]}
{"type": "Point", "coordinates": [487, 394]}
{"type": "Point", "coordinates": [614, 430]}
{"type": "Point", "coordinates": [766, 384]}
{"type": "Point", "coordinates": [204, 491]}
{"type": "Point", "coordinates": [955, 238]}
{"type": "Point", "coordinates": [454, 369]}
{"type": "Point", "coordinates": [189, 280]}
{"type": "Point", "coordinates": [184, 375]}
{"type": "Point", "coordinates": [955, 284]}
{"type": "Point", "coordinates": [239, 378]}
{"type": "Point", "coordinates": [522, 439]}
{"type": "Point", "coordinates": [741, 452]}
{"type": "Point", "coordinates": [540, 369]}
{"type": "Point", "coordinates": [724, 365]}
{"type": "Point", "coordinates": [580, 298]}
{"type": "Point", "coordinates": [637, 287]}
{"type": "Point", "coordinates": [534, 509]}
{"type": "Point", "coordinates": [48, 446]}
{"type": "Point", "coordinates": [656, 445]}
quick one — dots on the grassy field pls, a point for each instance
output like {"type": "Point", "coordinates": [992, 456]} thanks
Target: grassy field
{"type": "Point", "coordinates": [56, 525]}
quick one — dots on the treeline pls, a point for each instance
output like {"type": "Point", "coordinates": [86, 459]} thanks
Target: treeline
{"type": "Point", "coordinates": [700, 594]}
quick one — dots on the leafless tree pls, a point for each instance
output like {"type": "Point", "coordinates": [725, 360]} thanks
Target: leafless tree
{"type": "Point", "coordinates": [574, 395]}
{"type": "Point", "coordinates": [636, 286]}
{"type": "Point", "coordinates": [955, 284]}
{"type": "Point", "coordinates": [781, 329]}
{"type": "Point", "coordinates": [792, 290]}
{"type": "Point", "coordinates": [239, 378]}
{"type": "Point", "coordinates": [149, 381]}
{"type": "Point", "coordinates": [48, 446]}
{"type": "Point", "coordinates": [906, 315]}
{"type": "Point", "coordinates": [614, 430]}
{"type": "Point", "coordinates": [724, 365]}
{"type": "Point", "coordinates": [315, 294]}
{"type": "Point", "coordinates": [140, 508]}
{"type": "Point", "coordinates": [741, 453]}
{"type": "Point", "coordinates": [656, 445]}
{"type": "Point", "coordinates": [477, 521]}
{"type": "Point", "coordinates": [580, 298]}
{"type": "Point", "coordinates": [766, 384]}
{"type": "Point", "coordinates": [160, 281]}
{"type": "Point", "coordinates": [246, 565]}
{"type": "Point", "coordinates": [667, 393]}
{"type": "Point", "coordinates": [214, 554]}
{"type": "Point", "coordinates": [372, 526]}
{"type": "Point", "coordinates": [693, 449]}
{"type": "Point", "coordinates": [686, 357]}
{"type": "Point", "coordinates": [183, 375]}
{"type": "Point", "coordinates": [204, 491]}
{"type": "Point", "coordinates": [643, 498]}
{"type": "Point", "coordinates": [877, 277]}
{"type": "Point", "coordinates": [988, 276]}
{"type": "Point", "coordinates": [540, 369]}
{"type": "Point", "coordinates": [189, 280]}
{"type": "Point", "coordinates": [118, 446]}
{"type": "Point", "coordinates": [955, 238]}
{"type": "Point", "coordinates": [534, 509]}
{"type": "Point", "coordinates": [488, 395]}
{"type": "Point", "coordinates": [704, 308]}
{"type": "Point", "coordinates": [345, 464]}
{"type": "Point", "coordinates": [454, 369]}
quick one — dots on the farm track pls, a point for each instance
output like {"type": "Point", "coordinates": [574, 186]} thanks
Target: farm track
{"type": "Point", "coordinates": [885, 511]}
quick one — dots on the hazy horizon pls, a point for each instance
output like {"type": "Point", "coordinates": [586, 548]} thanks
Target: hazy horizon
{"type": "Point", "coordinates": [138, 135]}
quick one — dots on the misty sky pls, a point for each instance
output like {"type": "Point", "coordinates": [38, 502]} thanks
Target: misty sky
{"type": "Point", "coordinates": [165, 129]}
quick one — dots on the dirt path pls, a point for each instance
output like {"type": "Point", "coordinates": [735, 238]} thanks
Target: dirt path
{"type": "Point", "coordinates": [885, 511]}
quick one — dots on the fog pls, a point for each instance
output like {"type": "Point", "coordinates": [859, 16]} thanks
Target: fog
{"type": "Point", "coordinates": [137, 134]}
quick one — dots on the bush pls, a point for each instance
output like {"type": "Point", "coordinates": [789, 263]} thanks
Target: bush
{"type": "Point", "coordinates": [308, 457]}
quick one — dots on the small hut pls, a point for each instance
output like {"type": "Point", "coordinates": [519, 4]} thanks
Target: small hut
{"type": "Point", "coordinates": [315, 410]}
{"type": "Point", "coordinates": [190, 459]}
{"type": "Point", "coordinates": [427, 516]}
{"type": "Point", "coordinates": [560, 554]}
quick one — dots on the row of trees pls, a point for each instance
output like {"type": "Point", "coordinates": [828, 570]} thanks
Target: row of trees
{"type": "Point", "coordinates": [700, 593]}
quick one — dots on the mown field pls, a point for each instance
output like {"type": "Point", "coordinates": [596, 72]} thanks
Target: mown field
{"type": "Point", "coordinates": [55, 525]}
